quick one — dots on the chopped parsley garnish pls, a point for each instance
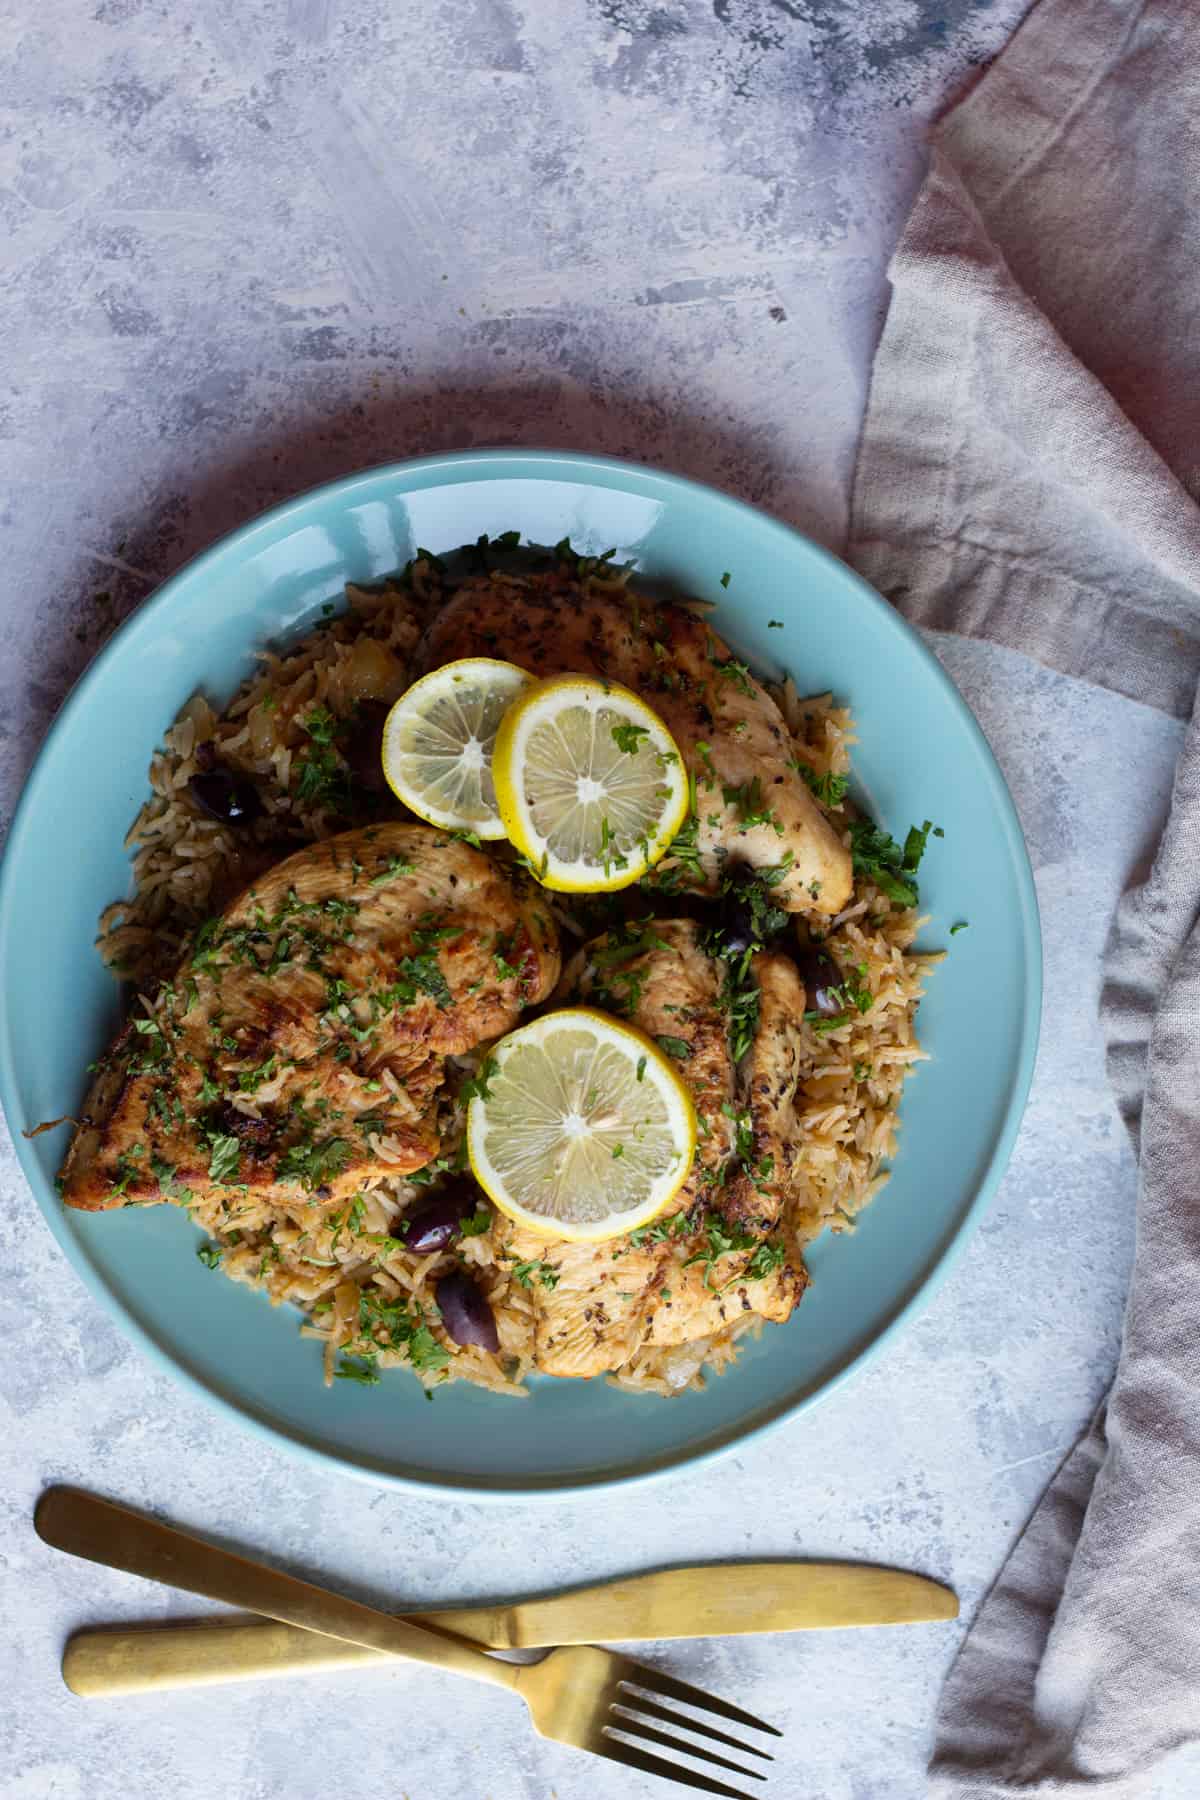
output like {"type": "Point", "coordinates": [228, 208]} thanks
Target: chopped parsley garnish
{"type": "Point", "coordinates": [742, 1002]}
{"type": "Point", "coordinates": [641, 1068]}
{"type": "Point", "coordinates": [618, 986]}
{"type": "Point", "coordinates": [743, 1130]}
{"type": "Point", "coordinates": [389, 1325]}
{"type": "Point", "coordinates": [321, 725]}
{"type": "Point", "coordinates": [385, 1246]}
{"type": "Point", "coordinates": [360, 1369]}
{"type": "Point", "coordinates": [752, 809]}
{"type": "Point", "coordinates": [323, 779]}
{"type": "Point", "coordinates": [829, 789]}
{"type": "Point", "coordinates": [580, 564]}
{"type": "Point", "coordinates": [704, 751]}
{"type": "Point", "coordinates": [394, 867]}
{"type": "Point", "coordinates": [224, 1156]}
{"type": "Point", "coordinates": [507, 971]}
{"type": "Point", "coordinates": [961, 926]}
{"type": "Point", "coordinates": [917, 841]}
{"type": "Point", "coordinates": [880, 858]}
{"type": "Point", "coordinates": [626, 941]}
{"type": "Point", "coordinates": [250, 1079]}
{"type": "Point", "coordinates": [507, 540]}
{"type": "Point", "coordinates": [312, 1164]}
{"type": "Point", "coordinates": [476, 1086]}
{"type": "Point", "coordinates": [126, 1169]}
{"type": "Point", "coordinates": [453, 1164]}
{"type": "Point", "coordinates": [476, 1223]}
{"type": "Point", "coordinates": [661, 1232]}
{"type": "Point", "coordinates": [546, 1273]}
{"type": "Point", "coordinates": [684, 850]}
{"type": "Point", "coordinates": [417, 975]}
{"type": "Point", "coordinates": [608, 857]}
{"type": "Point", "coordinates": [209, 1256]}
{"type": "Point", "coordinates": [155, 1052]}
{"type": "Point", "coordinates": [847, 996]}
{"type": "Point", "coordinates": [722, 1240]}
{"type": "Point", "coordinates": [168, 1187]}
{"type": "Point", "coordinates": [628, 738]}
{"type": "Point", "coordinates": [425, 1354]}
{"type": "Point", "coordinates": [675, 1046]}
{"type": "Point", "coordinates": [351, 1220]}
{"type": "Point", "coordinates": [732, 670]}
{"type": "Point", "coordinates": [774, 624]}
{"type": "Point", "coordinates": [766, 1259]}
{"type": "Point", "coordinates": [725, 579]}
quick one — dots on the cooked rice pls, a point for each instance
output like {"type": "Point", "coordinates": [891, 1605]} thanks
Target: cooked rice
{"type": "Point", "coordinates": [341, 1264]}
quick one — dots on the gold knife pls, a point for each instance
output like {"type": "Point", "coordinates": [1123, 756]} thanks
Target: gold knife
{"type": "Point", "coordinates": [717, 1600]}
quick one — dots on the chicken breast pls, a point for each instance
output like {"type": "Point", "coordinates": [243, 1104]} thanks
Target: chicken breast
{"type": "Point", "coordinates": [710, 1260]}
{"type": "Point", "coordinates": [753, 805]}
{"type": "Point", "coordinates": [300, 1048]}
{"type": "Point", "coordinates": [655, 974]}
{"type": "Point", "coordinates": [768, 1130]}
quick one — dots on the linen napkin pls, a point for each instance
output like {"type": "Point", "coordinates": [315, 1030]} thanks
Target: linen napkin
{"type": "Point", "coordinates": [1030, 471]}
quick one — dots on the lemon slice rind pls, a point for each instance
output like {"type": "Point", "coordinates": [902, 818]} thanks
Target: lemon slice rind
{"type": "Point", "coordinates": [438, 741]}
{"type": "Point", "coordinates": [588, 815]}
{"type": "Point", "coordinates": [586, 1131]}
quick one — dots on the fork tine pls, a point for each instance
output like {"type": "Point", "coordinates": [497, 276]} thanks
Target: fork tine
{"type": "Point", "coordinates": [639, 1703]}
{"type": "Point", "coordinates": [637, 1674]}
{"type": "Point", "coordinates": [701, 1752]}
{"type": "Point", "coordinates": [634, 1758]}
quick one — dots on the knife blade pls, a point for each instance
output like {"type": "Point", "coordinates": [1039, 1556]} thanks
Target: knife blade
{"type": "Point", "coordinates": [714, 1600]}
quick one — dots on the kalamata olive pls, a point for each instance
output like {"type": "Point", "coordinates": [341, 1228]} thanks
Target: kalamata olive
{"type": "Point", "coordinates": [255, 1134]}
{"type": "Point", "coordinates": [435, 1224]}
{"type": "Point", "coordinates": [744, 924]}
{"type": "Point", "coordinates": [465, 1313]}
{"type": "Point", "coordinates": [363, 748]}
{"type": "Point", "coordinates": [822, 979]}
{"type": "Point", "coordinates": [226, 796]}
{"type": "Point", "coordinates": [738, 931]}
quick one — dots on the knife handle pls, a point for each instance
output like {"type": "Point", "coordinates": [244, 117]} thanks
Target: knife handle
{"type": "Point", "coordinates": [104, 1661]}
{"type": "Point", "coordinates": [85, 1525]}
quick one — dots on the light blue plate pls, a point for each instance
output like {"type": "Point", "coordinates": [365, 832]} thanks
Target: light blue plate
{"type": "Point", "coordinates": [921, 756]}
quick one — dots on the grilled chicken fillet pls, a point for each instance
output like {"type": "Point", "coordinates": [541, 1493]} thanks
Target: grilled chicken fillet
{"type": "Point", "coordinates": [705, 696]}
{"type": "Point", "coordinates": [613, 1299]}
{"type": "Point", "coordinates": [300, 1047]}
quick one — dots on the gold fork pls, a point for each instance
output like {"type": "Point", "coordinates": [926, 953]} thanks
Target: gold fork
{"type": "Point", "coordinates": [591, 1699]}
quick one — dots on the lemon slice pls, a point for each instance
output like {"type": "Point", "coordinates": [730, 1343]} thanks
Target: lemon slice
{"type": "Point", "coordinates": [583, 1129]}
{"type": "Point", "coordinates": [438, 741]}
{"type": "Point", "coordinates": [590, 783]}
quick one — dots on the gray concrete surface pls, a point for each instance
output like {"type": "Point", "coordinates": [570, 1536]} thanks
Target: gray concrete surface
{"type": "Point", "coordinates": [246, 247]}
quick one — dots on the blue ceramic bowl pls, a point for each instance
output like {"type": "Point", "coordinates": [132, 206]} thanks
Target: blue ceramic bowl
{"type": "Point", "coordinates": [921, 755]}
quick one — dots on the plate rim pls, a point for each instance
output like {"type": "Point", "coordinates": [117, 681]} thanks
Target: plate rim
{"type": "Point", "coordinates": [579, 464]}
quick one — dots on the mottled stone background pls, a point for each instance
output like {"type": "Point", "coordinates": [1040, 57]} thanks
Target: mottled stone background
{"type": "Point", "coordinates": [247, 246]}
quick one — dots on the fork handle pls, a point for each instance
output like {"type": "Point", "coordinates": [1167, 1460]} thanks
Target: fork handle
{"type": "Point", "coordinates": [102, 1531]}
